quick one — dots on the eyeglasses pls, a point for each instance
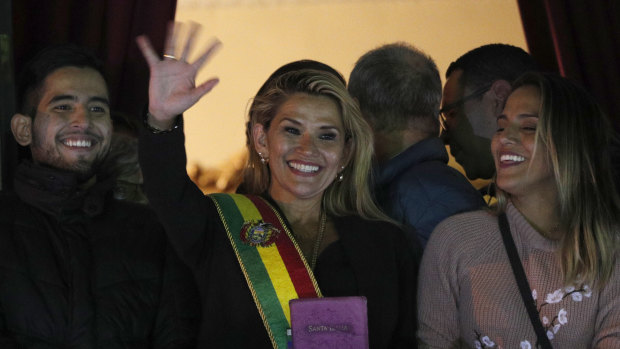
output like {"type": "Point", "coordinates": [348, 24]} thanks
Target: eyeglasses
{"type": "Point", "coordinates": [445, 111]}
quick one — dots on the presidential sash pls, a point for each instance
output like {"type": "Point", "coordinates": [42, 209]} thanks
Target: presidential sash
{"type": "Point", "coordinates": [270, 259]}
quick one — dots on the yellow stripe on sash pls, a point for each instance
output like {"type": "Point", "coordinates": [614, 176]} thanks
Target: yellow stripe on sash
{"type": "Point", "coordinates": [272, 260]}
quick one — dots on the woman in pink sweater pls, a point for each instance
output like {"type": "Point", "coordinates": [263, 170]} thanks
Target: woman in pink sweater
{"type": "Point", "coordinates": [554, 184]}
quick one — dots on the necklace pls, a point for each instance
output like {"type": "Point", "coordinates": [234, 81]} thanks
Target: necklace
{"type": "Point", "coordinates": [319, 239]}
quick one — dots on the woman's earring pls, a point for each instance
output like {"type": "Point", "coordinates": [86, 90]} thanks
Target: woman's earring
{"type": "Point", "coordinates": [341, 174]}
{"type": "Point", "coordinates": [263, 159]}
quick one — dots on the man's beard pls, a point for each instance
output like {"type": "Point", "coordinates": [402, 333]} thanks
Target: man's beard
{"type": "Point", "coordinates": [82, 167]}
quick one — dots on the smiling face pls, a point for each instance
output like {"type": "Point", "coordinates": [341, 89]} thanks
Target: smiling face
{"type": "Point", "coordinates": [306, 147]}
{"type": "Point", "coordinates": [523, 167]}
{"type": "Point", "coordinates": [72, 127]}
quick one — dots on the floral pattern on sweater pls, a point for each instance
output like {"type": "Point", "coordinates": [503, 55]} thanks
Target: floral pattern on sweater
{"type": "Point", "coordinates": [551, 326]}
{"type": "Point", "coordinates": [469, 286]}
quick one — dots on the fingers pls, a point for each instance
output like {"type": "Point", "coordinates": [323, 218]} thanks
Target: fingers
{"type": "Point", "coordinates": [191, 36]}
{"type": "Point", "coordinates": [147, 50]}
{"type": "Point", "coordinates": [171, 39]}
{"type": "Point", "coordinates": [206, 86]}
{"type": "Point", "coordinates": [203, 89]}
{"type": "Point", "coordinates": [209, 52]}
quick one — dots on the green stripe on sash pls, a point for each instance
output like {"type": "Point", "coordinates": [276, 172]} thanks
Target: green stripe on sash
{"type": "Point", "coordinates": [235, 210]}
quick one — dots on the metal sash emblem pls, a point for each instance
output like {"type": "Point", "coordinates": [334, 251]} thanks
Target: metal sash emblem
{"type": "Point", "coordinates": [259, 233]}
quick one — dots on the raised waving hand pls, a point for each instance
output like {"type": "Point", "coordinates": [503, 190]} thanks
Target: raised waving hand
{"type": "Point", "coordinates": [172, 85]}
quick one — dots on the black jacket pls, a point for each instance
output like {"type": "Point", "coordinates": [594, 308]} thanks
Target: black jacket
{"type": "Point", "coordinates": [371, 258]}
{"type": "Point", "coordinates": [79, 269]}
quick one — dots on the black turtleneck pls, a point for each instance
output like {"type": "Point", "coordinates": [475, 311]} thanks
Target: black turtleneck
{"type": "Point", "coordinates": [59, 193]}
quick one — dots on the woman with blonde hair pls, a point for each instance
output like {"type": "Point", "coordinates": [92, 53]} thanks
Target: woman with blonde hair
{"type": "Point", "coordinates": [306, 228]}
{"type": "Point", "coordinates": [542, 270]}
{"type": "Point", "coordinates": [350, 194]}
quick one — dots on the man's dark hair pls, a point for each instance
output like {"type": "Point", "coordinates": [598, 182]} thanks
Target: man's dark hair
{"type": "Point", "coordinates": [394, 84]}
{"type": "Point", "coordinates": [485, 64]}
{"type": "Point", "coordinates": [43, 64]}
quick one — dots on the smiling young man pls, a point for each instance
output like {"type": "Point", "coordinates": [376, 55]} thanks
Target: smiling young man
{"type": "Point", "coordinates": [80, 269]}
{"type": "Point", "coordinates": [71, 127]}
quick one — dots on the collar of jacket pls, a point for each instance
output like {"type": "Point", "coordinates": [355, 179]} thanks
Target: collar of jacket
{"type": "Point", "coordinates": [59, 193]}
{"type": "Point", "coordinates": [430, 149]}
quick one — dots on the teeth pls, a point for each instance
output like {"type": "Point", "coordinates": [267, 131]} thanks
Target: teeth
{"type": "Point", "coordinates": [303, 168]}
{"type": "Point", "coordinates": [515, 158]}
{"type": "Point", "coordinates": [80, 144]}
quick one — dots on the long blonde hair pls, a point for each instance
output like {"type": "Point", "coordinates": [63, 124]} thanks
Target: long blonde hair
{"type": "Point", "coordinates": [577, 136]}
{"type": "Point", "coordinates": [352, 195]}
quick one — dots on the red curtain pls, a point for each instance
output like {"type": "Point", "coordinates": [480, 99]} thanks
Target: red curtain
{"type": "Point", "coordinates": [580, 40]}
{"type": "Point", "coordinates": [106, 26]}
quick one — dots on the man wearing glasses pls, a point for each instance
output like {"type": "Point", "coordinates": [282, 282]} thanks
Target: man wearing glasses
{"type": "Point", "coordinates": [399, 91]}
{"type": "Point", "coordinates": [476, 88]}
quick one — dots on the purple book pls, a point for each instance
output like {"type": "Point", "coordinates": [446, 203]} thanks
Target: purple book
{"type": "Point", "coordinates": [336, 322]}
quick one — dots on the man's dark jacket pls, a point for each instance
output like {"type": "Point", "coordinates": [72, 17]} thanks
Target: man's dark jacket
{"type": "Point", "coordinates": [79, 269]}
{"type": "Point", "coordinates": [419, 189]}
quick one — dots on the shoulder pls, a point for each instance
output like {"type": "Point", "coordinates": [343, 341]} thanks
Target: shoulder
{"type": "Point", "coordinates": [123, 210]}
{"type": "Point", "coordinates": [363, 226]}
{"type": "Point", "coordinates": [377, 242]}
{"type": "Point", "coordinates": [465, 231]}
{"type": "Point", "coordinates": [124, 217]}
{"type": "Point", "coordinates": [355, 230]}
{"type": "Point", "coordinates": [435, 179]}
{"type": "Point", "coordinates": [8, 202]}
{"type": "Point", "coordinates": [8, 199]}
{"type": "Point", "coordinates": [462, 243]}
{"type": "Point", "coordinates": [470, 220]}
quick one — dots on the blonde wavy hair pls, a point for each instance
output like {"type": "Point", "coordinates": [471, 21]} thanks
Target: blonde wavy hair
{"type": "Point", "coordinates": [577, 136]}
{"type": "Point", "coordinates": [352, 195]}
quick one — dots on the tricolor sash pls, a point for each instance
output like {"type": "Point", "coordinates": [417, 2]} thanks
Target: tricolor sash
{"type": "Point", "coordinates": [270, 259]}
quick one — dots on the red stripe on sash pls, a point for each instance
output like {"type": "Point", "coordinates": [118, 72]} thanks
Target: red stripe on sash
{"type": "Point", "coordinates": [292, 259]}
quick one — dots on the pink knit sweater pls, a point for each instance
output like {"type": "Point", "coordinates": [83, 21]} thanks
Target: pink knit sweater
{"type": "Point", "coordinates": [468, 296]}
